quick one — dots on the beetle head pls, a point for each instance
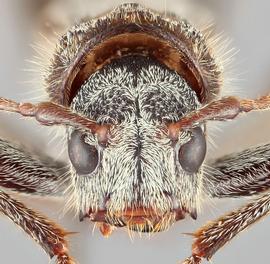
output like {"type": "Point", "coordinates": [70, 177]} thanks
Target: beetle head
{"type": "Point", "coordinates": [135, 73]}
{"type": "Point", "coordinates": [140, 177]}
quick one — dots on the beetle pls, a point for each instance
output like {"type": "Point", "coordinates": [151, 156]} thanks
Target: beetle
{"type": "Point", "coordinates": [133, 41]}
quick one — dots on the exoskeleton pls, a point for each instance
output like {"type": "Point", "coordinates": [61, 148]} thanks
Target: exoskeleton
{"type": "Point", "coordinates": [135, 90]}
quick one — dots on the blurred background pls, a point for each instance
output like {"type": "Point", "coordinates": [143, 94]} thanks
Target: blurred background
{"type": "Point", "coordinates": [245, 22]}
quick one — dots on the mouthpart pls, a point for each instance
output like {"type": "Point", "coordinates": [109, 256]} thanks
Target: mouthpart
{"type": "Point", "coordinates": [140, 219]}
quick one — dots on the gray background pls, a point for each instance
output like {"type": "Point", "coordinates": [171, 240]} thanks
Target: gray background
{"type": "Point", "coordinates": [246, 22]}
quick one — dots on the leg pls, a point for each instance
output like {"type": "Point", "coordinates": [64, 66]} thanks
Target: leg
{"type": "Point", "coordinates": [22, 173]}
{"type": "Point", "coordinates": [216, 234]}
{"type": "Point", "coordinates": [47, 234]}
{"type": "Point", "coordinates": [242, 174]}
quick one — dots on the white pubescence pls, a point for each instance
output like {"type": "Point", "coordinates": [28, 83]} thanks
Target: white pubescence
{"type": "Point", "coordinates": [117, 174]}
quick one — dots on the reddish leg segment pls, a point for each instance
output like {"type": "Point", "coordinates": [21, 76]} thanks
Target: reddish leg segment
{"type": "Point", "coordinates": [216, 234]}
{"type": "Point", "coordinates": [47, 234]}
{"type": "Point", "coordinates": [25, 174]}
{"type": "Point", "coordinates": [241, 174]}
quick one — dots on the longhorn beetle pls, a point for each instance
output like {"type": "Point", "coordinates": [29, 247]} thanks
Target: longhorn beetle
{"type": "Point", "coordinates": [135, 91]}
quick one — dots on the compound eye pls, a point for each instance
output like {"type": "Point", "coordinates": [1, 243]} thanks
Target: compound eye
{"type": "Point", "coordinates": [191, 155]}
{"type": "Point", "coordinates": [84, 157]}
